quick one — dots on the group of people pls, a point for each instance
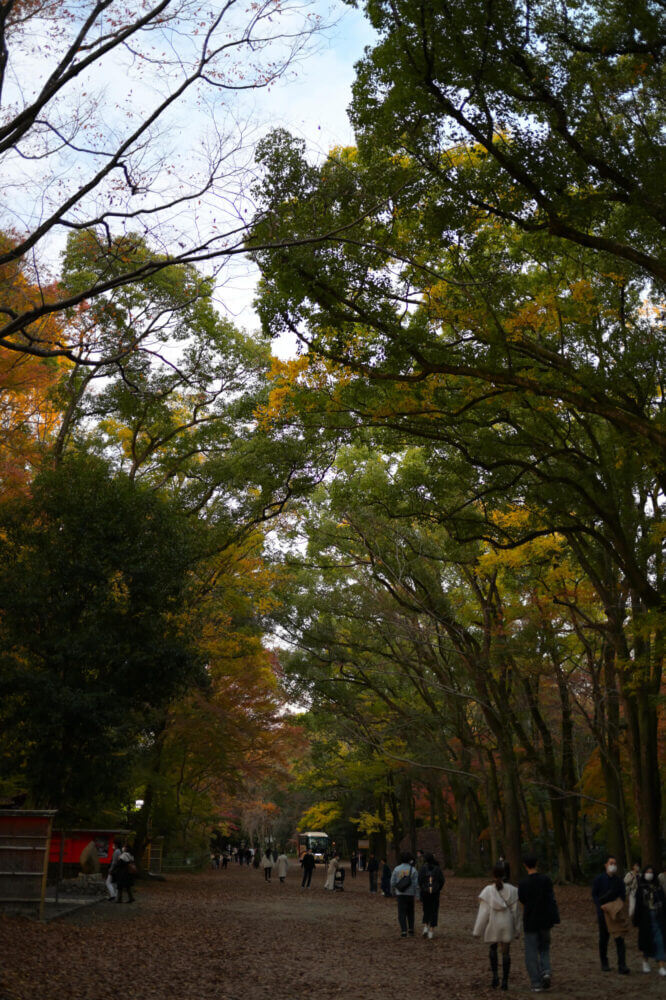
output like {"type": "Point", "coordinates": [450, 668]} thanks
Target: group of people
{"type": "Point", "coordinates": [271, 859]}
{"type": "Point", "coordinates": [120, 876]}
{"type": "Point", "coordinates": [241, 855]}
{"type": "Point", "coordinates": [639, 897]}
{"type": "Point", "coordinates": [267, 860]}
{"type": "Point", "coordinates": [498, 922]}
{"type": "Point", "coordinates": [408, 883]}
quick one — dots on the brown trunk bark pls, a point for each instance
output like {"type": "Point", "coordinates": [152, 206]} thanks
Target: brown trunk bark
{"type": "Point", "coordinates": [442, 826]}
{"type": "Point", "coordinates": [512, 825]}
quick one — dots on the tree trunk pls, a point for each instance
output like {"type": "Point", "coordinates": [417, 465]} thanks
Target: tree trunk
{"type": "Point", "coordinates": [512, 825]}
{"type": "Point", "coordinates": [569, 859]}
{"type": "Point", "coordinates": [142, 826]}
{"type": "Point", "coordinates": [442, 826]}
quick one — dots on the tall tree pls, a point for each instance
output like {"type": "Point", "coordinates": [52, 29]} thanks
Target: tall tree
{"type": "Point", "coordinates": [563, 102]}
{"type": "Point", "coordinates": [539, 368]}
{"type": "Point", "coordinates": [93, 580]}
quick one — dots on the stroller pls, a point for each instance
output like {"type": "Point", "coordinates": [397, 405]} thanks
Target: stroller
{"type": "Point", "coordinates": [339, 881]}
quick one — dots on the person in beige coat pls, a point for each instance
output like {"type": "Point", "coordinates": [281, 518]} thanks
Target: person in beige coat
{"type": "Point", "coordinates": [267, 864]}
{"type": "Point", "coordinates": [281, 866]}
{"type": "Point", "coordinates": [333, 866]}
{"type": "Point", "coordinates": [498, 923]}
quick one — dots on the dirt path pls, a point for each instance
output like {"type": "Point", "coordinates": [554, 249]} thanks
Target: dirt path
{"type": "Point", "coordinates": [230, 936]}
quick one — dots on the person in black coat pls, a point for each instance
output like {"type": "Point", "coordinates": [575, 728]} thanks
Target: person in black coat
{"type": "Point", "coordinates": [124, 874]}
{"type": "Point", "coordinates": [650, 918]}
{"type": "Point", "coordinates": [540, 912]}
{"type": "Point", "coordinates": [385, 877]}
{"type": "Point", "coordinates": [307, 864]}
{"type": "Point", "coordinates": [607, 887]}
{"type": "Point", "coordinates": [431, 883]}
{"type": "Point", "coordinates": [373, 868]}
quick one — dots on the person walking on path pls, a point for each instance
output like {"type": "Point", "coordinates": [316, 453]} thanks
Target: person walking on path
{"type": "Point", "coordinates": [650, 918]}
{"type": "Point", "coordinates": [353, 861]}
{"type": "Point", "coordinates": [385, 878]}
{"type": "Point", "coordinates": [497, 922]}
{"type": "Point", "coordinates": [431, 883]}
{"type": "Point", "coordinates": [111, 874]}
{"type": "Point", "coordinates": [405, 887]}
{"type": "Point", "coordinates": [373, 868]}
{"type": "Point", "coordinates": [420, 860]}
{"type": "Point", "coordinates": [608, 888]}
{"type": "Point", "coordinates": [282, 866]}
{"type": "Point", "coordinates": [540, 913]}
{"type": "Point", "coordinates": [631, 880]}
{"type": "Point", "coordinates": [503, 863]}
{"type": "Point", "coordinates": [333, 866]}
{"type": "Point", "coordinates": [124, 872]}
{"type": "Point", "coordinates": [307, 864]}
{"type": "Point", "coordinates": [267, 865]}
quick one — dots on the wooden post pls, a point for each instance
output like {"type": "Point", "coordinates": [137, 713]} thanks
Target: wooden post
{"type": "Point", "coordinates": [46, 868]}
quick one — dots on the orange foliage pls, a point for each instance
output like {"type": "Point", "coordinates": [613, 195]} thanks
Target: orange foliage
{"type": "Point", "coordinates": [28, 412]}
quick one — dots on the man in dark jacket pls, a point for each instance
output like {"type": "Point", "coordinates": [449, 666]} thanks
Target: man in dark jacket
{"type": "Point", "coordinates": [536, 894]}
{"type": "Point", "coordinates": [307, 863]}
{"type": "Point", "coordinates": [373, 868]}
{"type": "Point", "coordinates": [607, 887]}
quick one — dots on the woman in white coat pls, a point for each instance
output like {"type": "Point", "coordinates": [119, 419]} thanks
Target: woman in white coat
{"type": "Point", "coordinates": [497, 922]}
{"type": "Point", "coordinates": [333, 866]}
{"type": "Point", "coordinates": [281, 866]}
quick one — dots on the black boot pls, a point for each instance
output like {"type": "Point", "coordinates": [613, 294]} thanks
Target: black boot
{"type": "Point", "coordinates": [506, 968]}
{"type": "Point", "coordinates": [621, 956]}
{"type": "Point", "coordinates": [493, 966]}
{"type": "Point", "coordinates": [603, 956]}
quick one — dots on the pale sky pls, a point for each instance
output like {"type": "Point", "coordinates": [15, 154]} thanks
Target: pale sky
{"type": "Point", "coordinates": [101, 106]}
{"type": "Point", "coordinates": [311, 103]}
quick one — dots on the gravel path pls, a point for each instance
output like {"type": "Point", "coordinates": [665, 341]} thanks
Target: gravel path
{"type": "Point", "coordinates": [228, 935]}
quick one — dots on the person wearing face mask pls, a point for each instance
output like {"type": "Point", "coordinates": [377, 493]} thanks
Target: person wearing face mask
{"type": "Point", "coordinates": [606, 888]}
{"type": "Point", "coordinates": [649, 917]}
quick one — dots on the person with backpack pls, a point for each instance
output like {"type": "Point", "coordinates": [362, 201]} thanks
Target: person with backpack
{"type": "Point", "coordinates": [431, 883]}
{"type": "Point", "coordinates": [497, 922]}
{"type": "Point", "coordinates": [540, 913]}
{"type": "Point", "coordinates": [405, 887]}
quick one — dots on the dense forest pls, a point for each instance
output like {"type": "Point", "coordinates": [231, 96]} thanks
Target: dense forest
{"type": "Point", "coordinates": [412, 576]}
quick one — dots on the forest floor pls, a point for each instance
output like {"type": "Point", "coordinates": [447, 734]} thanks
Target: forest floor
{"type": "Point", "coordinates": [229, 935]}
